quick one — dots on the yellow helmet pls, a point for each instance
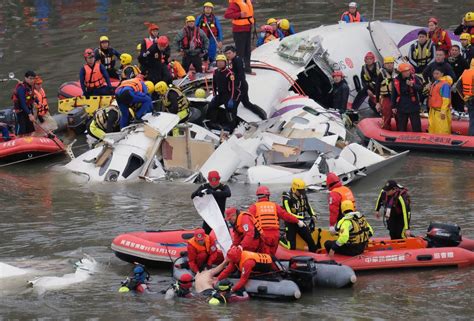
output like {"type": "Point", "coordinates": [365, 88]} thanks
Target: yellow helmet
{"type": "Point", "coordinates": [271, 20]}
{"type": "Point", "coordinates": [139, 47]}
{"type": "Point", "coordinates": [103, 39]}
{"type": "Point", "coordinates": [284, 24]}
{"type": "Point", "coordinates": [190, 19]}
{"type": "Point", "coordinates": [465, 36]}
{"type": "Point", "coordinates": [388, 60]}
{"type": "Point", "coordinates": [150, 87]}
{"type": "Point", "coordinates": [347, 206]}
{"type": "Point", "coordinates": [297, 184]}
{"type": "Point", "coordinates": [209, 4]}
{"type": "Point", "coordinates": [221, 58]}
{"type": "Point", "coordinates": [161, 87]}
{"type": "Point", "coordinates": [125, 59]}
{"type": "Point", "coordinates": [200, 93]}
{"type": "Point", "coordinates": [469, 17]}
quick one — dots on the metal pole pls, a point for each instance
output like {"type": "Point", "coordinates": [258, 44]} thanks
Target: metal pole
{"type": "Point", "coordinates": [391, 9]}
{"type": "Point", "coordinates": [373, 10]}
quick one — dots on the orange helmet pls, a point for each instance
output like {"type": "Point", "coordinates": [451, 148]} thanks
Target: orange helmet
{"type": "Point", "coordinates": [404, 67]}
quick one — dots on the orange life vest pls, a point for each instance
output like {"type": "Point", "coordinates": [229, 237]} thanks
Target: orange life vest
{"type": "Point", "coordinates": [267, 215]}
{"type": "Point", "coordinates": [42, 104]}
{"type": "Point", "coordinates": [240, 228]}
{"type": "Point", "coordinates": [211, 21]}
{"type": "Point", "coordinates": [201, 248]}
{"type": "Point", "coordinates": [190, 36]}
{"type": "Point", "coordinates": [351, 17]}
{"type": "Point", "coordinates": [467, 79]}
{"type": "Point", "coordinates": [134, 83]}
{"type": "Point", "coordinates": [262, 260]}
{"type": "Point", "coordinates": [435, 100]}
{"type": "Point", "coordinates": [244, 7]}
{"type": "Point", "coordinates": [149, 42]}
{"type": "Point", "coordinates": [345, 193]}
{"type": "Point", "coordinates": [93, 76]}
{"type": "Point", "coordinates": [396, 85]}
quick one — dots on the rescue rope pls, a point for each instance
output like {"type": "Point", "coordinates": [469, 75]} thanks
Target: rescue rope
{"type": "Point", "coordinates": [31, 158]}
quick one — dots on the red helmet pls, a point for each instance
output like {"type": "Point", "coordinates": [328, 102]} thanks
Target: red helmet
{"type": "Point", "coordinates": [89, 52]}
{"type": "Point", "coordinates": [338, 73]}
{"type": "Point", "coordinates": [231, 211]}
{"type": "Point", "coordinates": [370, 54]}
{"type": "Point", "coordinates": [234, 254]}
{"type": "Point", "coordinates": [199, 234]}
{"type": "Point", "coordinates": [262, 191]}
{"type": "Point", "coordinates": [163, 41]}
{"type": "Point", "coordinates": [433, 20]}
{"type": "Point", "coordinates": [186, 281]}
{"type": "Point", "coordinates": [213, 178]}
{"type": "Point", "coordinates": [266, 28]}
{"type": "Point", "coordinates": [151, 26]}
{"type": "Point", "coordinates": [332, 179]}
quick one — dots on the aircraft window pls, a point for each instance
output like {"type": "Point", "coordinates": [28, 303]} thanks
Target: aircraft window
{"type": "Point", "coordinates": [134, 163]}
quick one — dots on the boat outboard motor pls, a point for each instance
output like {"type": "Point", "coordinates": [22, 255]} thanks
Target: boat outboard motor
{"type": "Point", "coordinates": [77, 119]}
{"type": "Point", "coordinates": [8, 117]}
{"type": "Point", "coordinates": [443, 235]}
{"type": "Point", "coordinates": [302, 270]}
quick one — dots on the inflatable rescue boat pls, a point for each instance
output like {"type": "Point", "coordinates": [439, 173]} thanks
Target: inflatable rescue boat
{"type": "Point", "coordinates": [457, 142]}
{"type": "Point", "coordinates": [72, 89]}
{"type": "Point", "coordinates": [28, 147]}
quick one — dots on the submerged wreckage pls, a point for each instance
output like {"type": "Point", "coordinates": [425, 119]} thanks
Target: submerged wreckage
{"type": "Point", "coordinates": [300, 139]}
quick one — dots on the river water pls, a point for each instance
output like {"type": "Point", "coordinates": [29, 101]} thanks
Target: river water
{"type": "Point", "coordinates": [49, 221]}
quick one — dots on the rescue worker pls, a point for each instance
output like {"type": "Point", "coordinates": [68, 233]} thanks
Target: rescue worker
{"type": "Point", "coordinates": [137, 281]}
{"type": "Point", "coordinates": [174, 101]}
{"type": "Point", "coordinates": [352, 15]}
{"type": "Point", "coordinates": [94, 79]}
{"type": "Point", "coordinates": [272, 22]}
{"type": "Point", "coordinates": [220, 192]}
{"type": "Point", "coordinates": [439, 36]}
{"type": "Point", "coordinates": [441, 63]}
{"type": "Point", "coordinates": [129, 71]}
{"type": "Point", "coordinates": [285, 29]}
{"type": "Point", "coordinates": [354, 232]}
{"type": "Point", "coordinates": [369, 74]}
{"type": "Point", "coordinates": [396, 202]}
{"type": "Point", "coordinates": [268, 214]}
{"type": "Point", "coordinates": [23, 104]}
{"type": "Point", "coordinates": [241, 14]}
{"type": "Point", "coordinates": [422, 52]}
{"type": "Point", "coordinates": [296, 202]}
{"type": "Point", "coordinates": [210, 24]}
{"type": "Point", "coordinates": [246, 232]}
{"type": "Point", "coordinates": [134, 94]}
{"type": "Point", "coordinates": [337, 194]}
{"type": "Point", "coordinates": [467, 47]}
{"type": "Point", "coordinates": [202, 251]}
{"type": "Point", "coordinates": [105, 120]}
{"type": "Point", "coordinates": [153, 33]}
{"type": "Point", "coordinates": [383, 92]}
{"type": "Point", "coordinates": [266, 35]}
{"type": "Point", "coordinates": [458, 64]}
{"type": "Point", "coordinates": [226, 92]}
{"type": "Point", "coordinates": [405, 98]}
{"type": "Point", "coordinates": [246, 262]}
{"type": "Point", "coordinates": [467, 82]}
{"type": "Point", "coordinates": [439, 103]}
{"type": "Point", "coordinates": [106, 55]}
{"type": "Point", "coordinates": [144, 58]}
{"type": "Point", "coordinates": [182, 287]}
{"type": "Point", "coordinates": [42, 108]}
{"type": "Point", "coordinates": [155, 60]}
{"type": "Point", "coordinates": [466, 26]}
{"type": "Point", "coordinates": [340, 92]}
{"type": "Point", "coordinates": [192, 44]}
{"type": "Point", "coordinates": [236, 65]}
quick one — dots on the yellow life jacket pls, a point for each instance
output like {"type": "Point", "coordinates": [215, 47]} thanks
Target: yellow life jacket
{"type": "Point", "coordinates": [360, 232]}
{"type": "Point", "coordinates": [183, 103]}
{"type": "Point", "coordinates": [422, 55]}
{"type": "Point", "coordinates": [135, 71]}
{"type": "Point", "coordinates": [101, 116]}
{"type": "Point", "coordinates": [386, 85]}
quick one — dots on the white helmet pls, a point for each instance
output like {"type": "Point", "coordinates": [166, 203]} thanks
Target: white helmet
{"type": "Point", "coordinates": [353, 5]}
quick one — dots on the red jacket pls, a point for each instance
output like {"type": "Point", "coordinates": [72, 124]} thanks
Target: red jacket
{"type": "Point", "coordinates": [233, 12]}
{"type": "Point", "coordinates": [244, 235]}
{"type": "Point", "coordinates": [198, 258]}
{"type": "Point", "coordinates": [282, 214]}
{"type": "Point", "coordinates": [247, 268]}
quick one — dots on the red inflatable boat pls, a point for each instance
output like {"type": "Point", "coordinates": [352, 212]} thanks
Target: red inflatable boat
{"type": "Point", "coordinates": [457, 142]}
{"type": "Point", "coordinates": [73, 88]}
{"type": "Point", "coordinates": [153, 248]}
{"type": "Point", "coordinates": [29, 146]}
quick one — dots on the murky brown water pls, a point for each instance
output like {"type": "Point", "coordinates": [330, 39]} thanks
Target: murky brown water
{"type": "Point", "coordinates": [48, 221]}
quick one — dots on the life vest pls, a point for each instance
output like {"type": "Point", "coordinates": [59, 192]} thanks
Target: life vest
{"type": "Point", "coordinates": [149, 42]}
{"type": "Point", "coordinates": [263, 261]}
{"type": "Point", "coordinates": [107, 58]}
{"type": "Point", "coordinates": [267, 215]}
{"type": "Point", "coordinates": [357, 17]}
{"type": "Point", "coordinates": [367, 75]}
{"type": "Point", "coordinates": [133, 74]}
{"type": "Point", "coordinates": [467, 79]}
{"type": "Point", "coordinates": [211, 21]}
{"type": "Point", "coordinates": [134, 83]}
{"type": "Point", "coordinates": [396, 85]}
{"type": "Point", "coordinates": [435, 100]}
{"type": "Point", "coordinates": [102, 115]}
{"type": "Point", "coordinates": [42, 102]}
{"type": "Point", "coordinates": [386, 85]}
{"type": "Point", "coordinates": [183, 103]}
{"type": "Point", "coordinates": [191, 39]}
{"type": "Point", "coordinates": [239, 227]}
{"type": "Point", "coordinates": [30, 97]}
{"type": "Point", "coordinates": [298, 206]}
{"type": "Point", "coordinates": [423, 54]}
{"type": "Point", "coordinates": [201, 248]}
{"type": "Point", "coordinates": [244, 7]}
{"type": "Point", "coordinates": [93, 76]}
{"type": "Point", "coordinates": [346, 194]}
{"type": "Point", "coordinates": [360, 232]}
{"type": "Point", "coordinates": [268, 38]}
{"type": "Point", "coordinates": [176, 70]}
{"type": "Point", "coordinates": [438, 37]}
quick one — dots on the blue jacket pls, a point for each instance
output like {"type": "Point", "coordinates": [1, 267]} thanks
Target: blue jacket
{"type": "Point", "coordinates": [220, 33]}
{"type": "Point", "coordinates": [21, 93]}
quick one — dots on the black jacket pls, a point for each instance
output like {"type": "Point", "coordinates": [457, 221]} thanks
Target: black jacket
{"type": "Point", "coordinates": [221, 193]}
{"type": "Point", "coordinates": [340, 96]}
{"type": "Point", "coordinates": [446, 67]}
{"type": "Point", "coordinates": [237, 67]}
{"type": "Point", "coordinates": [405, 104]}
{"type": "Point", "coordinates": [458, 64]}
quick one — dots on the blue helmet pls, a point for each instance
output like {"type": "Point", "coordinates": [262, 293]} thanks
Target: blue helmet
{"type": "Point", "coordinates": [138, 270]}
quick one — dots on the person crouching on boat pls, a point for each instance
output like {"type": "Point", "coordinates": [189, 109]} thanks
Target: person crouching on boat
{"type": "Point", "coordinates": [202, 251]}
{"type": "Point", "coordinates": [439, 103]}
{"type": "Point", "coordinates": [23, 103]}
{"type": "Point", "coordinates": [130, 93]}
{"type": "Point", "coordinates": [42, 109]}
{"type": "Point", "coordinates": [354, 232]}
{"type": "Point", "coordinates": [94, 78]}
{"type": "Point", "coordinates": [396, 202]}
{"type": "Point", "coordinates": [105, 120]}
{"type": "Point", "coordinates": [266, 35]}
{"type": "Point", "coordinates": [246, 232]}
{"type": "Point", "coordinates": [174, 101]}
